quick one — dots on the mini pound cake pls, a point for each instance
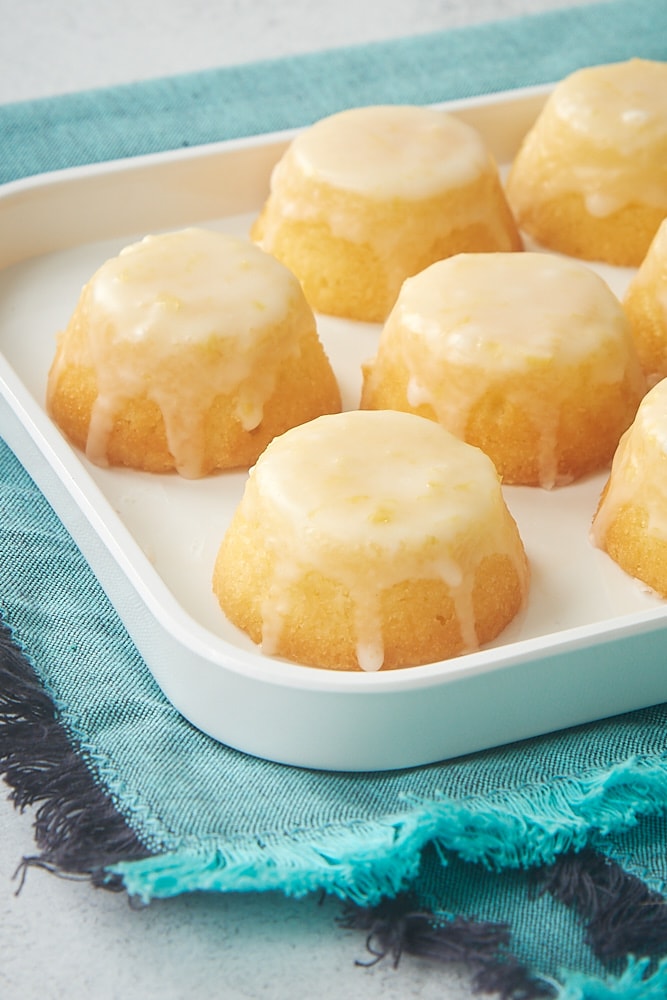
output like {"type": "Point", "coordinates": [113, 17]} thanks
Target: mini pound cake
{"type": "Point", "coordinates": [590, 179]}
{"type": "Point", "coordinates": [189, 351]}
{"type": "Point", "coordinates": [368, 540]}
{"type": "Point", "coordinates": [645, 304]}
{"type": "Point", "coordinates": [527, 356]}
{"type": "Point", "coordinates": [631, 520]}
{"type": "Point", "coordinates": [368, 196]}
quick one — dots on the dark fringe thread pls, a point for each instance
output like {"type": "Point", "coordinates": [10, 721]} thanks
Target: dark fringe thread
{"type": "Point", "coordinates": [78, 830]}
{"type": "Point", "coordinates": [622, 915]}
{"type": "Point", "coordinates": [394, 928]}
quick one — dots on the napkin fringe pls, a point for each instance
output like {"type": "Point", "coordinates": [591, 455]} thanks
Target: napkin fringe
{"type": "Point", "coordinates": [77, 828]}
{"type": "Point", "coordinates": [637, 982]}
{"type": "Point", "coordinates": [523, 829]}
{"type": "Point", "coordinates": [622, 915]}
{"type": "Point", "coordinates": [397, 926]}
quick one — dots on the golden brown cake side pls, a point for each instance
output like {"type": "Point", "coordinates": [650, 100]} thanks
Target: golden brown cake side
{"type": "Point", "coordinates": [526, 356]}
{"type": "Point", "coordinates": [630, 523]}
{"type": "Point", "coordinates": [589, 179]}
{"type": "Point", "coordinates": [368, 540]}
{"type": "Point", "coordinates": [188, 351]}
{"type": "Point", "coordinates": [645, 304]}
{"type": "Point", "coordinates": [369, 196]}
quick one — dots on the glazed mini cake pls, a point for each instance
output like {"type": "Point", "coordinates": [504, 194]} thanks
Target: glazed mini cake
{"type": "Point", "coordinates": [189, 351]}
{"type": "Point", "coordinates": [631, 520]}
{"type": "Point", "coordinates": [368, 196]}
{"type": "Point", "coordinates": [371, 540]}
{"type": "Point", "coordinates": [645, 304]}
{"type": "Point", "coordinates": [527, 356]}
{"type": "Point", "coordinates": [590, 178]}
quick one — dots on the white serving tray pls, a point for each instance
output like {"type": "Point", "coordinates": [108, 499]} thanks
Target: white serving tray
{"type": "Point", "coordinates": [590, 644]}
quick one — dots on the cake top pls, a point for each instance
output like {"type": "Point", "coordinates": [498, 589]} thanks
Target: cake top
{"type": "Point", "coordinates": [510, 311]}
{"type": "Point", "coordinates": [184, 286]}
{"type": "Point", "coordinates": [621, 105]}
{"type": "Point", "coordinates": [376, 478]}
{"type": "Point", "coordinates": [384, 151]}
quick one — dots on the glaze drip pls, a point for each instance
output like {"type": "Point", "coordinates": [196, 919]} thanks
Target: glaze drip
{"type": "Point", "coordinates": [372, 499]}
{"type": "Point", "coordinates": [181, 319]}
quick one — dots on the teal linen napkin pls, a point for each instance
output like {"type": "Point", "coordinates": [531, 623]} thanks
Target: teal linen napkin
{"type": "Point", "coordinates": [542, 862]}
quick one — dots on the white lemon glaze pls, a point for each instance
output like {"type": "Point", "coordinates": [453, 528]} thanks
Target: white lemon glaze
{"type": "Point", "coordinates": [505, 311]}
{"type": "Point", "coordinates": [370, 499]}
{"type": "Point", "coordinates": [493, 315]}
{"type": "Point", "coordinates": [652, 273]}
{"type": "Point", "coordinates": [162, 296]}
{"type": "Point", "coordinates": [639, 470]}
{"type": "Point", "coordinates": [386, 151]}
{"type": "Point", "coordinates": [617, 115]}
{"type": "Point", "coordinates": [397, 185]}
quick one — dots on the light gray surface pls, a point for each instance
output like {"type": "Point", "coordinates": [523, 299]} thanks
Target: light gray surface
{"type": "Point", "coordinates": [55, 46]}
{"type": "Point", "coordinates": [60, 938]}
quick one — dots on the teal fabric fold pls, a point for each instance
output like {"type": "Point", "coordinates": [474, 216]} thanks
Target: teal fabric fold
{"type": "Point", "coordinates": [464, 835]}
